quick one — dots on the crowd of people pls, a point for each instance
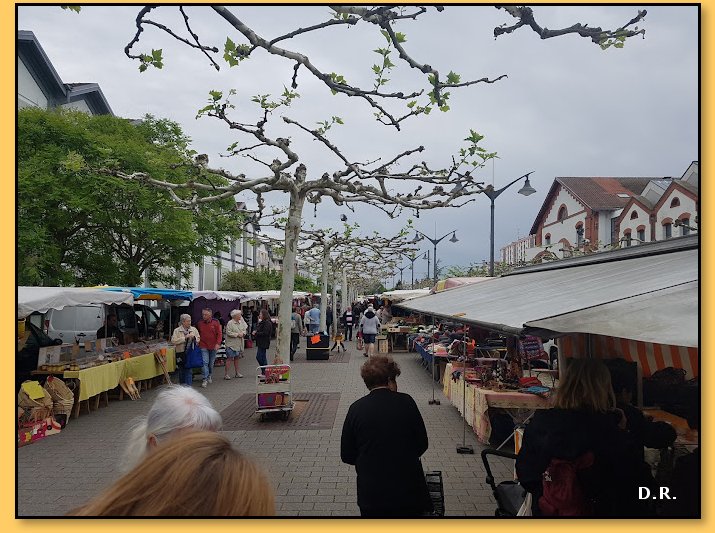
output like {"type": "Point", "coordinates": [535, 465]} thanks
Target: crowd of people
{"type": "Point", "coordinates": [584, 456]}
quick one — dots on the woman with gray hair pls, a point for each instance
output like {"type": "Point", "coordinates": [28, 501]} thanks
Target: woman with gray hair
{"type": "Point", "coordinates": [236, 330]}
{"type": "Point", "coordinates": [182, 334]}
{"type": "Point", "coordinates": [175, 411]}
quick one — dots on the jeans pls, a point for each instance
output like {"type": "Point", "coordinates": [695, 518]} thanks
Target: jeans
{"type": "Point", "coordinates": [294, 342]}
{"type": "Point", "coordinates": [261, 356]}
{"type": "Point", "coordinates": [313, 328]}
{"type": "Point", "coordinates": [349, 332]}
{"type": "Point", "coordinates": [209, 358]}
{"type": "Point", "coordinates": [186, 376]}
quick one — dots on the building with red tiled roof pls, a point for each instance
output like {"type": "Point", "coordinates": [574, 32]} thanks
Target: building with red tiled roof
{"type": "Point", "coordinates": [596, 212]}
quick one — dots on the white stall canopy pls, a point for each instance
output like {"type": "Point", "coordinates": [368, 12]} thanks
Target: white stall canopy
{"type": "Point", "coordinates": [611, 293]}
{"type": "Point", "coordinates": [42, 299]}
{"type": "Point", "coordinates": [404, 294]}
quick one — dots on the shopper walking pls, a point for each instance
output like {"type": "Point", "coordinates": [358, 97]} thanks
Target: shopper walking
{"type": "Point", "coordinates": [211, 337]}
{"type": "Point", "coordinates": [384, 436]}
{"type": "Point", "coordinates": [263, 336]}
{"type": "Point", "coordinates": [197, 474]}
{"type": "Point", "coordinates": [296, 329]}
{"type": "Point", "coordinates": [370, 327]}
{"type": "Point", "coordinates": [182, 334]}
{"type": "Point", "coordinates": [236, 330]}
{"type": "Point", "coordinates": [348, 323]}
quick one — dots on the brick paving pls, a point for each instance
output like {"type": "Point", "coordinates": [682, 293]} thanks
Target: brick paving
{"type": "Point", "coordinates": [63, 471]}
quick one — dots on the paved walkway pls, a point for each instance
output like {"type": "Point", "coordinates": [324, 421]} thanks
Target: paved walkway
{"type": "Point", "coordinates": [63, 471]}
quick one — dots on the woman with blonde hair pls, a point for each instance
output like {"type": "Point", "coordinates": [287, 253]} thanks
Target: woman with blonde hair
{"type": "Point", "coordinates": [236, 330]}
{"type": "Point", "coordinates": [198, 474]}
{"type": "Point", "coordinates": [582, 434]}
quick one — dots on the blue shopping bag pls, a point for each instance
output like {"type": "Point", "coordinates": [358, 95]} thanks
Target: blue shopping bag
{"type": "Point", "coordinates": [192, 355]}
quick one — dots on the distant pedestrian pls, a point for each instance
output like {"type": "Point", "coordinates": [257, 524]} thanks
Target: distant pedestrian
{"type": "Point", "coordinates": [236, 331]}
{"type": "Point", "coordinates": [314, 314]}
{"type": "Point", "coordinates": [184, 333]}
{"type": "Point", "coordinates": [329, 318]}
{"type": "Point", "coordinates": [348, 323]}
{"type": "Point", "coordinates": [370, 327]}
{"type": "Point", "coordinates": [296, 329]}
{"type": "Point", "coordinates": [211, 337]}
{"type": "Point", "coordinates": [263, 337]}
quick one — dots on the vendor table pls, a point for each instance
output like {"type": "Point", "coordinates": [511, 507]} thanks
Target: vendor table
{"type": "Point", "coordinates": [520, 406]}
{"type": "Point", "coordinates": [397, 340]}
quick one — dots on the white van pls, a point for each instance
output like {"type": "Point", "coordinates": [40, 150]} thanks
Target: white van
{"type": "Point", "coordinates": [79, 323]}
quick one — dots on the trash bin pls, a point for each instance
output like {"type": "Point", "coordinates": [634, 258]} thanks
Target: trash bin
{"type": "Point", "coordinates": [318, 347]}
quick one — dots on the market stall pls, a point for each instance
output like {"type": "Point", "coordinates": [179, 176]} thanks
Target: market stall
{"type": "Point", "coordinates": [639, 304]}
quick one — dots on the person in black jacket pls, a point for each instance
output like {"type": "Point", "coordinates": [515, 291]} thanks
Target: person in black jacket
{"type": "Point", "coordinates": [384, 436]}
{"type": "Point", "coordinates": [264, 329]}
{"type": "Point", "coordinates": [584, 419]}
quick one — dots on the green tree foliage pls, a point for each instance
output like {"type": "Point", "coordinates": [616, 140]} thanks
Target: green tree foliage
{"type": "Point", "coordinates": [263, 280]}
{"type": "Point", "coordinates": [80, 227]}
{"type": "Point", "coordinates": [476, 270]}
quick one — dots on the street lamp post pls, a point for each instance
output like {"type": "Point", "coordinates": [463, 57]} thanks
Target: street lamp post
{"type": "Point", "coordinates": [401, 269]}
{"type": "Point", "coordinates": [526, 190]}
{"type": "Point", "coordinates": [412, 259]}
{"type": "Point", "coordinates": [435, 242]}
{"type": "Point", "coordinates": [426, 256]}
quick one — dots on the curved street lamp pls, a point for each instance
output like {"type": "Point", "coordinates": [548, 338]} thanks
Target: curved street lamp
{"type": "Point", "coordinates": [435, 242]}
{"type": "Point", "coordinates": [526, 190]}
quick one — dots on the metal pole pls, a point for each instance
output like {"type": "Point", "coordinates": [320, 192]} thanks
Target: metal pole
{"type": "Point", "coordinates": [434, 267]}
{"type": "Point", "coordinates": [433, 401]}
{"type": "Point", "coordinates": [412, 270]}
{"type": "Point", "coordinates": [464, 449]}
{"type": "Point", "coordinates": [491, 242]}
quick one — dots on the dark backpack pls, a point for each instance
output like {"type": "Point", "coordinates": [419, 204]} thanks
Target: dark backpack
{"type": "Point", "coordinates": [563, 494]}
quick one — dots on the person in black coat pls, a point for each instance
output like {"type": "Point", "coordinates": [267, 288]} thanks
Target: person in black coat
{"type": "Point", "coordinates": [384, 436]}
{"type": "Point", "coordinates": [263, 337]}
{"type": "Point", "coordinates": [584, 419]}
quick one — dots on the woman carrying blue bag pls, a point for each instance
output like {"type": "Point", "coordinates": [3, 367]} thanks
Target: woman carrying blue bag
{"type": "Point", "coordinates": [186, 339]}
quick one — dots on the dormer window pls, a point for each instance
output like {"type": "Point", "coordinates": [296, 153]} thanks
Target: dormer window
{"type": "Point", "coordinates": [675, 202]}
{"type": "Point", "coordinates": [634, 215]}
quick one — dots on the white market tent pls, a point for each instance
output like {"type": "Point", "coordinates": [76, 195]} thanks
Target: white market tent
{"type": "Point", "coordinates": [404, 294]}
{"type": "Point", "coordinates": [648, 293]}
{"type": "Point", "coordinates": [244, 296]}
{"type": "Point", "coordinates": [42, 299]}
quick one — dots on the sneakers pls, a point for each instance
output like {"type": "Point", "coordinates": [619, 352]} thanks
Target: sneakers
{"type": "Point", "coordinates": [204, 384]}
{"type": "Point", "coordinates": [239, 375]}
{"type": "Point", "coordinates": [227, 377]}
{"type": "Point", "coordinates": [210, 379]}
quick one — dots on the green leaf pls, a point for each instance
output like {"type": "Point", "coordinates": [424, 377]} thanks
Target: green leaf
{"type": "Point", "coordinates": [142, 67]}
{"type": "Point", "coordinates": [386, 35]}
{"type": "Point", "coordinates": [74, 8]}
{"type": "Point", "coordinates": [618, 45]}
{"type": "Point", "coordinates": [401, 38]}
{"type": "Point", "coordinates": [453, 78]}
{"type": "Point", "coordinates": [376, 69]}
{"type": "Point", "coordinates": [444, 108]}
{"type": "Point", "coordinates": [156, 54]}
{"type": "Point", "coordinates": [216, 95]}
{"type": "Point", "coordinates": [428, 110]}
{"type": "Point", "coordinates": [411, 104]}
{"type": "Point", "coordinates": [230, 46]}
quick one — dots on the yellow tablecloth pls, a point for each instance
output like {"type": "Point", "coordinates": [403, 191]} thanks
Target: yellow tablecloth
{"type": "Point", "coordinates": [95, 380]}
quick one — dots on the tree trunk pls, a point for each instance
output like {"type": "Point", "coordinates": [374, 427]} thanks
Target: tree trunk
{"type": "Point", "coordinates": [324, 289]}
{"type": "Point", "coordinates": [295, 214]}
{"type": "Point", "coordinates": [334, 308]}
{"type": "Point", "coordinates": [344, 292]}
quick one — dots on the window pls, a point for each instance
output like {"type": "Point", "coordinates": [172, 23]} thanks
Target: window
{"type": "Point", "coordinates": [579, 234]}
{"type": "Point", "coordinates": [627, 238]}
{"type": "Point", "coordinates": [667, 230]}
{"type": "Point", "coordinates": [614, 233]}
{"type": "Point", "coordinates": [684, 229]}
{"type": "Point", "coordinates": [634, 214]}
{"type": "Point", "coordinates": [675, 202]}
{"type": "Point", "coordinates": [547, 239]}
{"type": "Point", "coordinates": [563, 213]}
{"type": "Point", "coordinates": [641, 235]}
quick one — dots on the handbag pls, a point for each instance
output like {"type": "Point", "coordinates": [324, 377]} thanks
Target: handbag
{"type": "Point", "coordinates": [192, 355]}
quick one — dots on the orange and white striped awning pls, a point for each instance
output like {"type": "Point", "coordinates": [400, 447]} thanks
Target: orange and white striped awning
{"type": "Point", "coordinates": [649, 356]}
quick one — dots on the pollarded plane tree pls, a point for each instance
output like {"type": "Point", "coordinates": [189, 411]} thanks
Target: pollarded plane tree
{"type": "Point", "coordinates": [389, 182]}
{"type": "Point", "coordinates": [320, 249]}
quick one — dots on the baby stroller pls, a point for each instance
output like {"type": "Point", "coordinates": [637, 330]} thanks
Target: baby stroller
{"type": "Point", "coordinates": [510, 495]}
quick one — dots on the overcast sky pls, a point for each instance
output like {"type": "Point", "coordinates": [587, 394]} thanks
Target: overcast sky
{"type": "Point", "coordinates": [567, 108]}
